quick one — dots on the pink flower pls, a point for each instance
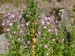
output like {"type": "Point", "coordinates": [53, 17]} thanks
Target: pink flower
{"type": "Point", "coordinates": [46, 18]}
{"type": "Point", "coordinates": [2, 24]}
{"type": "Point", "coordinates": [53, 27]}
{"type": "Point", "coordinates": [7, 43]}
{"type": "Point", "coordinates": [23, 25]}
{"type": "Point", "coordinates": [49, 30]}
{"type": "Point", "coordinates": [39, 32]}
{"type": "Point", "coordinates": [25, 46]}
{"type": "Point", "coordinates": [7, 47]}
{"type": "Point", "coordinates": [59, 24]}
{"type": "Point", "coordinates": [8, 21]}
{"type": "Point", "coordinates": [45, 27]}
{"type": "Point", "coordinates": [21, 12]}
{"type": "Point", "coordinates": [28, 33]}
{"type": "Point", "coordinates": [45, 46]}
{"type": "Point", "coordinates": [18, 26]}
{"type": "Point", "coordinates": [19, 17]}
{"type": "Point", "coordinates": [56, 33]}
{"type": "Point", "coordinates": [49, 18]}
{"type": "Point", "coordinates": [27, 23]}
{"type": "Point", "coordinates": [57, 21]}
{"type": "Point", "coordinates": [12, 16]}
{"type": "Point", "coordinates": [43, 22]}
{"type": "Point", "coordinates": [10, 24]}
{"type": "Point", "coordinates": [21, 31]}
{"type": "Point", "coordinates": [56, 30]}
{"type": "Point", "coordinates": [7, 29]}
{"type": "Point", "coordinates": [48, 23]}
{"type": "Point", "coordinates": [15, 20]}
{"type": "Point", "coordinates": [28, 42]}
{"type": "Point", "coordinates": [8, 13]}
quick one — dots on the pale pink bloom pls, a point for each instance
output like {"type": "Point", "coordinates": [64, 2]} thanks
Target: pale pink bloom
{"type": "Point", "coordinates": [7, 47]}
{"type": "Point", "coordinates": [53, 27]}
{"type": "Point", "coordinates": [57, 21]}
{"type": "Point", "coordinates": [21, 12]}
{"type": "Point", "coordinates": [15, 20]}
{"type": "Point", "coordinates": [19, 17]}
{"type": "Point", "coordinates": [8, 30]}
{"type": "Point", "coordinates": [12, 16]}
{"type": "Point", "coordinates": [49, 30]}
{"type": "Point", "coordinates": [8, 21]}
{"type": "Point", "coordinates": [46, 18]}
{"type": "Point", "coordinates": [27, 23]}
{"type": "Point", "coordinates": [45, 46]}
{"type": "Point", "coordinates": [25, 46]}
{"type": "Point", "coordinates": [22, 25]}
{"type": "Point", "coordinates": [56, 33]}
{"type": "Point", "coordinates": [2, 24]}
{"type": "Point", "coordinates": [59, 24]}
{"type": "Point", "coordinates": [7, 43]}
{"type": "Point", "coordinates": [49, 18]}
{"type": "Point", "coordinates": [39, 32]}
{"type": "Point", "coordinates": [28, 42]}
{"type": "Point", "coordinates": [18, 26]}
{"type": "Point", "coordinates": [28, 33]}
{"type": "Point", "coordinates": [10, 24]}
{"type": "Point", "coordinates": [8, 13]}
{"type": "Point", "coordinates": [45, 27]}
{"type": "Point", "coordinates": [21, 31]}
{"type": "Point", "coordinates": [48, 23]}
{"type": "Point", "coordinates": [56, 30]}
{"type": "Point", "coordinates": [43, 22]}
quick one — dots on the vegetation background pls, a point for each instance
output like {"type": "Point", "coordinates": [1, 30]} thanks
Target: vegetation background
{"type": "Point", "coordinates": [31, 37]}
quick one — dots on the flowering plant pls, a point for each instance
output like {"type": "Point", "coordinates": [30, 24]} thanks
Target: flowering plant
{"type": "Point", "coordinates": [31, 35]}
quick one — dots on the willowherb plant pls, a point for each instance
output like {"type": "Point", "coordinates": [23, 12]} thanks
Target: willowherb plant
{"type": "Point", "coordinates": [31, 35]}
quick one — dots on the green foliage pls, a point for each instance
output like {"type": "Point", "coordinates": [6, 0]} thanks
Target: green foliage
{"type": "Point", "coordinates": [45, 44]}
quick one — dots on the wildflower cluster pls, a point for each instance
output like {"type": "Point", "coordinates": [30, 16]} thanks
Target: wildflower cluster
{"type": "Point", "coordinates": [32, 35]}
{"type": "Point", "coordinates": [50, 24]}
